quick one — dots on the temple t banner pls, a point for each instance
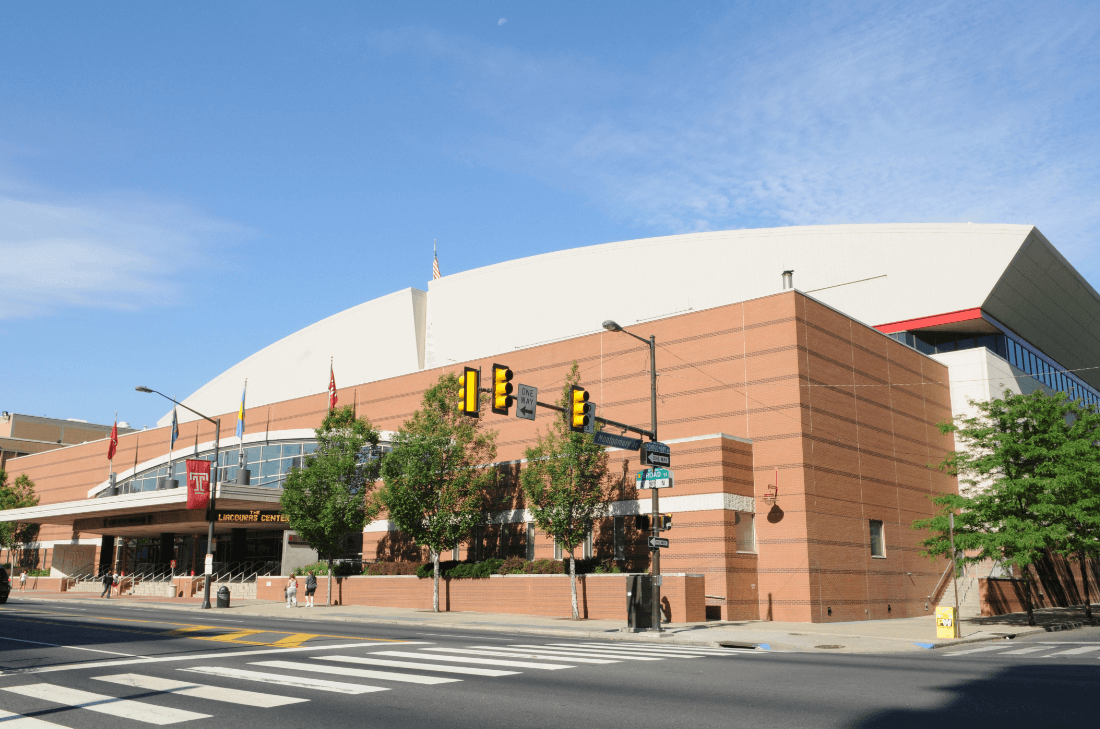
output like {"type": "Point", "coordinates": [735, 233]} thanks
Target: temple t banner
{"type": "Point", "coordinates": [198, 484]}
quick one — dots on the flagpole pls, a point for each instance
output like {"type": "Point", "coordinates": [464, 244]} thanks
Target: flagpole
{"type": "Point", "coordinates": [240, 451]}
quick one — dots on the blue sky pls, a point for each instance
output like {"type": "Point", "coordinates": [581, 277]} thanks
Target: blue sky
{"type": "Point", "coordinates": [181, 185]}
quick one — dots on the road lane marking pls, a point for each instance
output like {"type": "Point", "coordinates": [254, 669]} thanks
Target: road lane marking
{"type": "Point", "coordinates": [294, 640]}
{"type": "Point", "coordinates": [526, 654]}
{"type": "Point", "coordinates": [201, 691]}
{"type": "Point", "coordinates": [591, 653]}
{"type": "Point", "coordinates": [983, 649]}
{"type": "Point", "coordinates": [1074, 651]}
{"type": "Point", "coordinates": [72, 647]}
{"type": "Point", "coordinates": [1023, 651]}
{"type": "Point", "coordinates": [195, 657]}
{"type": "Point", "coordinates": [356, 672]}
{"type": "Point", "coordinates": [416, 665]}
{"type": "Point", "coordinates": [102, 704]}
{"type": "Point", "coordinates": [654, 649]}
{"type": "Point", "coordinates": [476, 661]}
{"type": "Point", "coordinates": [284, 680]}
{"type": "Point", "coordinates": [9, 720]}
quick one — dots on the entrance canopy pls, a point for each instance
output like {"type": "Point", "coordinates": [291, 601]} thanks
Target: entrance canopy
{"type": "Point", "coordinates": [149, 513]}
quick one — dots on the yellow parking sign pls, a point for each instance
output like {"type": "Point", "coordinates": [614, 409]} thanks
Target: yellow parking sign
{"type": "Point", "coordinates": [947, 622]}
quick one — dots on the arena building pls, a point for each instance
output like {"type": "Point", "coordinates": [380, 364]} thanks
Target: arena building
{"type": "Point", "coordinates": [802, 421]}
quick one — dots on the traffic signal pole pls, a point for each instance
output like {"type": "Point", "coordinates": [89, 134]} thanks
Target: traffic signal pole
{"type": "Point", "coordinates": [655, 519]}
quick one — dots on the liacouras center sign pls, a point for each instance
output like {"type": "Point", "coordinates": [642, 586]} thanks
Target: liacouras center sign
{"type": "Point", "coordinates": [251, 517]}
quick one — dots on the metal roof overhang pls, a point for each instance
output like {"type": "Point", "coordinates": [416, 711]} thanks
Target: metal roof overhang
{"type": "Point", "coordinates": [93, 512]}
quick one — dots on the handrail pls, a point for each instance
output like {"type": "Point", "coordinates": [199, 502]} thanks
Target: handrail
{"type": "Point", "coordinates": [936, 591]}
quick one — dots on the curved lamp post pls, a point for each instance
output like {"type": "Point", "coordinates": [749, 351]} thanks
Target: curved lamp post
{"type": "Point", "coordinates": [213, 489]}
{"type": "Point", "coordinates": [611, 326]}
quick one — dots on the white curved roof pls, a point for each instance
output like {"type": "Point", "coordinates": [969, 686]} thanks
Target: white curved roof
{"type": "Point", "coordinates": [877, 274]}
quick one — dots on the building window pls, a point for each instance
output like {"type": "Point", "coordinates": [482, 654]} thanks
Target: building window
{"type": "Point", "coordinates": [878, 539]}
{"type": "Point", "coordinates": [557, 549]}
{"type": "Point", "coordinates": [745, 531]}
{"type": "Point", "coordinates": [619, 537]}
{"type": "Point", "coordinates": [589, 553]}
{"type": "Point", "coordinates": [530, 541]}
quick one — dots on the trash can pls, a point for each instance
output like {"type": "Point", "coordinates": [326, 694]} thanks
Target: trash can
{"type": "Point", "coordinates": [223, 597]}
{"type": "Point", "coordinates": [639, 602]}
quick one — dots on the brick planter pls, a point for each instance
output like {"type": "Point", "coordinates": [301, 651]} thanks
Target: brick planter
{"type": "Point", "coordinates": [601, 597]}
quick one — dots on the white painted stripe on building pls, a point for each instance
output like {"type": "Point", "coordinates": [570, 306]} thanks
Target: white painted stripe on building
{"type": "Point", "coordinates": [587, 653]}
{"type": "Point", "coordinates": [468, 670]}
{"type": "Point", "coordinates": [517, 654]}
{"type": "Point", "coordinates": [18, 721]}
{"type": "Point", "coordinates": [356, 672]}
{"type": "Point", "coordinates": [475, 661]}
{"type": "Point", "coordinates": [315, 684]}
{"type": "Point", "coordinates": [201, 691]}
{"type": "Point", "coordinates": [1074, 651]}
{"type": "Point", "coordinates": [982, 649]}
{"type": "Point", "coordinates": [102, 704]}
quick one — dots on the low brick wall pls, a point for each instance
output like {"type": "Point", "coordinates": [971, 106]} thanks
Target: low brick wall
{"type": "Point", "coordinates": [601, 597]}
{"type": "Point", "coordinates": [50, 584]}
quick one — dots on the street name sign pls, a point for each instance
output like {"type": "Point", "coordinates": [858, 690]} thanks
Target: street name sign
{"type": "Point", "coordinates": [617, 441]}
{"type": "Point", "coordinates": [525, 401]}
{"type": "Point", "coordinates": [654, 478]}
{"type": "Point", "coordinates": [656, 454]}
{"type": "Point", "coordinates": [658, 543]}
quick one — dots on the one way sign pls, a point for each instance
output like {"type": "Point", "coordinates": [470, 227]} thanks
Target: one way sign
{"type": "Point", "coordinates": [525, 401]}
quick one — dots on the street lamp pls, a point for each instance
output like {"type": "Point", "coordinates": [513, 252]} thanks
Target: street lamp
{"type": "Point", "coordinates": [612, 326]}
{"type": "Point", "coordinates": [213, 490]}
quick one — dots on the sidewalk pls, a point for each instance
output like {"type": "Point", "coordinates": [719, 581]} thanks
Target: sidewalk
{"type": "Point", "coordinates": [874, 636]}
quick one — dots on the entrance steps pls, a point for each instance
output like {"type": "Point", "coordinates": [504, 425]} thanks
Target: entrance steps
{"type": "Point", "coordinates": [970, 605]}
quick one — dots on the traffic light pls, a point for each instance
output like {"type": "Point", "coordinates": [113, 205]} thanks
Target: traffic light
{"type": "Point", "coordinates": [578, 409]}
{"type": "Point", "coordinates": [470, 382]}
{"type": "Point", "coordinates": [641, 522]}
{"type": "Point", "coordinates": [664, 522]}
{"type": "Point", "coordinates": [502, 389]}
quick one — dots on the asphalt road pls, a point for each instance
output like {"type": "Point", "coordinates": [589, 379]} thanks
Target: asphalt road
{"type": "Point", "coordinates": [91, 667]}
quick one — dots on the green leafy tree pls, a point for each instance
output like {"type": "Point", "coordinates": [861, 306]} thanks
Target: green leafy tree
{"type": "Point", "coordinates": [1079, 494]}
{"type": "Point", "coordinates": [1013, 471]}
{"type": "Point", "coordinates": [17, 495]}
{"type": "Point", "coordinates": [565, 484]}
{"type": "Point", "coordinates": [331, 495]}
{"type": "Point", "coordinates": [434, 479]}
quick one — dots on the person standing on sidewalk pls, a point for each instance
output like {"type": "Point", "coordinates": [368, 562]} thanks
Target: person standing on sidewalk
{"type": "Point", "coordinates": [292, 591]}
{"type": "Point", "coordinates": [23, 581]}
{"type": "Point", "coordinates": [311, 587]}
{"type": "Point", "coordinates": [108, 583]}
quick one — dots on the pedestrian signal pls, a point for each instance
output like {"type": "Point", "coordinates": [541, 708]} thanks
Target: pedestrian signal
{"type": "Point", "coordinates": [502, 389]}
{"type": "Point", "coordinates": [578, 409]}
{"type": "Point", "coordinates": [664, 522]}
{"type": "Point", "coordinates": [470, 380]}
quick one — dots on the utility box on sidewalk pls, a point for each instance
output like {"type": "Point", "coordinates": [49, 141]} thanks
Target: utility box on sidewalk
{"type": "Point", "coordinates": [947, 622]}
{"type": "Point", "coordinates": [639, 602]}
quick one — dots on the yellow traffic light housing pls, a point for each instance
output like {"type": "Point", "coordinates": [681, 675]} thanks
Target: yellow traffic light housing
{"type": "Point", "coordinates": [664, 522]}
{"type": "Point", "coordinates": [470, 380]}
{"type": "Point", "coordinates": [578, 409]}
{"type": "Point", "coordinates": [502, 389]}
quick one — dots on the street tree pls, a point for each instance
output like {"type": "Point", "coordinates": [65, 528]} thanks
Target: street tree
{"type": "Point", "coordinates": [565, 484]}
{"type": "Point", "coordinates": [435, 478]}
{"type": "Point", "coordinates": [1012, 469]}
{"type": "Point", "coordinates": [17, 495]}
{"type": "Point", "coordinates": [331, 495]}
{"type": "Point", "coordinates": [1079, 495]}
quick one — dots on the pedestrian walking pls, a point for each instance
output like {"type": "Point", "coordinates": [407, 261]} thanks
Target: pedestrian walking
{"type": "Point", "coordinates": [292, 591]}
{"type": "Point", "coordinates": [311, 587]}
{"type": "Point", "coordinates": [23, 581]}
{"type": "Point", "coordinates": [108, 583]}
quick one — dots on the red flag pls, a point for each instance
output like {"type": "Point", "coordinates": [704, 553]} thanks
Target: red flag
{"type": "Point", "coordinates": [331, 388]}
{"type": "Point", "coordinates": [114, 442]}
{"type": "Point", "coordinates": [198, 484]}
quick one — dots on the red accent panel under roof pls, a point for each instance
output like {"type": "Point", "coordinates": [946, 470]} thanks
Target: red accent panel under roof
{"type": "Point", "coordinates": [930, 321]}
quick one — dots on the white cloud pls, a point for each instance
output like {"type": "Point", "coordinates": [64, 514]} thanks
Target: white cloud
{"type": "Point", "coordinates": [502, 21]}
{"type": "Point", "coordinates": [120, 253]}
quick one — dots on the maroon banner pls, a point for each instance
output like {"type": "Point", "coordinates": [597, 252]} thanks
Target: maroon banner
{"type": "Point", "coordinates": [198, 484]}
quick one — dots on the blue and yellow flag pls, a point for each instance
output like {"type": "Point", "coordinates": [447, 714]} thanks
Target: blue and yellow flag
{"type": "Point", "coordinates": [175, 430]}
{"type": "Point", "coordinates": [240, 413]}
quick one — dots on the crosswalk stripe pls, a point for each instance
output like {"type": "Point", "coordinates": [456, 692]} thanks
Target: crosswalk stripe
{"type": "Point", "coordinates": [1074, 651]}
{"type": "Point", "coordinates": [476, 661]}
{"type": "Point", "coordinates": [419, 666]}
{"type": "Point", "coordinates": [18, 721]}
{"type": "Point", "coordinates": [316, 684]}
{"type": "Point", "coordinates": [100, 703]}
{"type": "Point", "coordinates": [570, 652]}
{"type": "Point", "coordinates": [628, 650]}
{"type": "Point", "coordinates": [357, 672]}
{"type": "Point", "coordinates": [622, 645]}
{"type": "Point", "coordinates": [201, 691]}
{"type": "Point", "coordinates": [1022, 651]}
{"type": "Point", "coordinates": [983, 649]}
{"type": "Point", "coordinates": [516, 654]}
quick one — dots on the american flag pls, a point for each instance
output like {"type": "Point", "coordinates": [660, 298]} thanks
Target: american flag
{"type": "Point", "coordinates": [435, 263]}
